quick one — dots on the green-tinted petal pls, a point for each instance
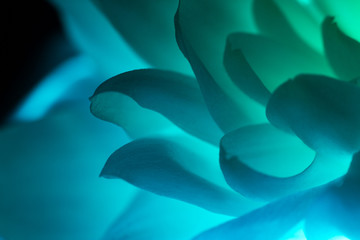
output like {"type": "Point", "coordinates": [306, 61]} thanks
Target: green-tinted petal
{"type": "Point", "coordinates": [175, 96]}
{"type": "Point", "coordinates": [272, 221]}
{"type": "Point", "coordinates": [242, 74]}
{"type": "Point", "coordinates": [225, 110]}
{"type": "Point", "coordinates": [342, 51]}
{"type": "Point", "coordinates": [273, 23]}
{"type": "Point", "coordinates": [154, 217]}
{"type": "Point", "coordinates": [322, 111]}
{"type": "Point", "coordinates": [201, 31]}
{"type": "Point", "coordinates": [156, 165]}
{"type": "Point", "coordinates": [346, 13]}
{"type": "Point", "coordinates": [275, 62]}
{"type": "Point", "coordinates": [305, 19]}
{"type": "Point", "coordinates": [148, 28]}
{"type": "Point", "coordinates": [264, 163]}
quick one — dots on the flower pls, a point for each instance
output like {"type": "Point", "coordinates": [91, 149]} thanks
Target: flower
{"type": "Point", "coordinates": [312, 119]}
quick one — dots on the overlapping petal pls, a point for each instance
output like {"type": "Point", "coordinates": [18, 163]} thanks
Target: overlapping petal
{"type": "Point", "coordinates": [322, 111]}
{"type": "Point", "coordinates": [156, 165]}
{"type": "Point", "coordinates": [175, 96]}
{"type": "Point", "coordinates": [342, 51]}
{"type": "Point", "coordinates": [262, 162]}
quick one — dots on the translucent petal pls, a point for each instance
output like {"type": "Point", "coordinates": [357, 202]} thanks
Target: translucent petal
{"type": "Point", "coordinates": [49, 182]}
{"type": "Point", "coordinates": [242, 74]}
{"type": "Point", "coordinates": [262, 162]}
{"type": "Point", "coordinates": [346, 13]}
{"type": "Point", "coordinates": [322, 111]}
{"type": "Point", "coordinates": [342, 51]}
{"type": "Point", "coordinates": [175, 96]}
{"type": "Point", "coordinates": [273, 23]}
{"type": "Point", "coordinates": [274, 62]}
{"type": "Point", "coordinates": [305, 20]}
{"type": "Point", "coordinates": [154, 217]}
{"type": "Point", "coordinates": [151, 32]}
{"type": "Point", "coordinates": [227, 113]}
{"type": "Point", "coordinates": [202, 28]}
{"type": "Point", "coordinates": [156, 165]}
{"type": "Point", "coordinates": [269, 222]}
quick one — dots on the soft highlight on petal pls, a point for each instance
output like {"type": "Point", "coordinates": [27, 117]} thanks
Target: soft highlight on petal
{"type": "Point", "coordinates": [323, 112]}
{"type": "Point", "coordinates": [155, 165]}
{"type": "Point", "coordinates": [175, 96]}
{"type": "Point", "coordinates": [342, 51]}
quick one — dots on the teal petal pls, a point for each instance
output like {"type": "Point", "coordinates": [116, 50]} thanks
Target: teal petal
{"type": "Point", "coordinates": [272, 22]}
{"type": "Point", "coordinates": [314, 102]}
{"type": "Point", "coordinates": [156, 165]}
{"type": "Point", "coordinates": [242, 74]}
{"type": "Point", "coordinates": [154, 217]}
{"type": "Point", "coordinates": [305, 20]}
{"type": "Point", "coordinates": [201, 32]}
{"type": "Point", "coordinates": [275, 62]}
{"type": "Point", "coordinates": [272, 221]}
{"type": "Point", "coordinates": [151, 32]}
{"type": "Point", "coordinates": [262, 162]}
{"type": "Point", "coordinates": [346, 13]}
{"type": "Point", "coordinates": [343, 52]}
{"type": "Point", "coordinates": [49, 181]}
{"type": "Point", "coordinates": [175, 96]}
{"type": "Point", "coordinates": [226, 112]}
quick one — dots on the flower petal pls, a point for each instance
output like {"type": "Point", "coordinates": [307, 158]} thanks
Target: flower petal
{"type": "Point", "coordinates": [150, 22]}
{"type": "Point", "coordinates": [175, 96]}
{"type": "Point", "coordinates": [262, 162]}
{"type": "Point", "coordinates": [156, 165]}
{"type": "Point", "coordinates": [154, 217]}
{"type": "Point", "coordinates": [317, 102]}
{"type": "Point", "coordinates": [273, 23]}
{"type": "Point", "coordinates": [305, 19]}
{"type": "Point", "coordinates": [275, 62]}
{"type": "Point", "coordinates": [202, 39]}
{"type": "Point", "coordinates": [242, 74]}
{"type": "Point", "coordinates": [342, 51]}
{"type": "Point", "coordinates": [272, 221]}
{"type": "Point", "coordinates": [346, 13]}
{"type": "Point", "coordinates": [227, 113]}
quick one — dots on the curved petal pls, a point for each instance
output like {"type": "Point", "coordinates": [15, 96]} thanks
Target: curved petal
{"type": "Point", "coordinates": [262, 162]}
{"type": "Point", "coordinates": [156, 165]}
{"type": "Point", "coordinates": [346, 13]}
{"type": "Point", "coordinates": [151, 32]}
{"type": "Point", "coordinates": [175, 96]}
{"type": "Point", "coordinates": [272, 221]}
{"type": "Point", "coordinates": [342, 51]}
{"type": "Point", "coordinates": [317, 102]}
{"type": "Point", "coordinates": [305, 19]}
{"type": "Point", "coordinates": [273, 23]}
{"type": "Point", "coordinates": [227, 113]}
{"type": "Point", "coordinates": [275, 62]}
{"type": "Point", "coordinates": [204, 46]}
{"type": "Point", "coordinates": [154, 217]}
{"type": "Point", "coordinates": [242, 74]}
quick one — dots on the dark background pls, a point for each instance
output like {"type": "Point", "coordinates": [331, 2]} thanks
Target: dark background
{"type": "Point", "coordinates": [30, 29]}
